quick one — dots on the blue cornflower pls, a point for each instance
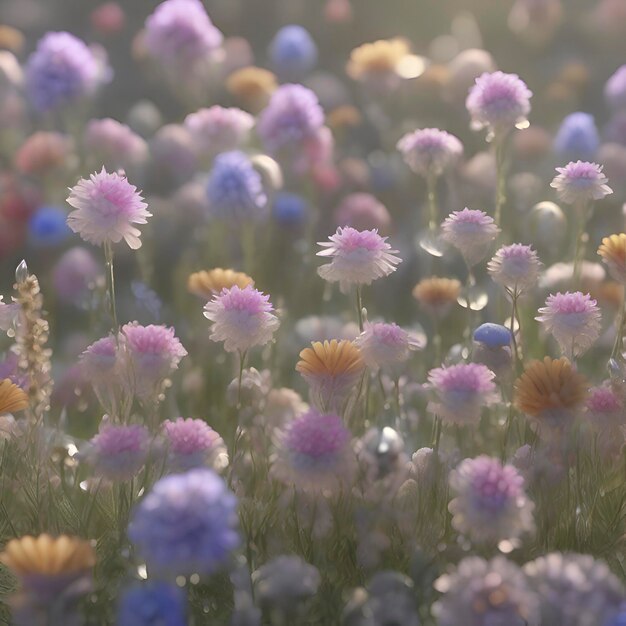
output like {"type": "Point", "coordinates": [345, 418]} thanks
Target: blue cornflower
{"type": "Point", "coordinates": [577, 137]}
{"type": "Point", "coordinates": [493, 335]}
{"type": "Point", "coordinates": [293, 52]}
{"type": "Point", "coordinates": [187, 524]}
{"type": "Point", "coordinates": [48, 226]}
{"type": "Point", "coordinates": [152, 604]}
{"type": "Point", "coordinates": [290, 209]}
{"type": "Point", "coordinates": [61, 71]}
{"type": "Point", "coordinates": [235, 188]}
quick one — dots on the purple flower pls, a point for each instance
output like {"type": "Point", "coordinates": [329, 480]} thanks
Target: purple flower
{"type": "Point", "coordinates": [193, 443]}
{"type": "Point", "coordinates": [574, 321]}
{"type": "Point", "coordinates": [470, 231]}
{"type": "Point", "coordinates": [152, 603]}
{"type": "Point", "coordinates": [605, 407]}
{"type": "Point", "coordinates": [106, 207]}
{"type": "Point", "coordinates": [292, 118]}
{"type": "Point", "coordinates": [385, 344]}
{"type": "Point", "coordinates": [186, 525]}
{"type": "Point", "coordinates": [293, 52]}
{"type": "Point", "coordinates": [235, 189]}
{"type": "Point", "coordinates": [113, 144]}
{"type": "Point", "coordinates": [218, 129]}
{"type": "Point", "coordinates": [363, 211]}
{"type": "Point", "coordinates": [486, 593]}
{"type": "Point", "coordinates": [117, 453]}
{"type": "Point", "coordinates": [490, 503]}
{"type": "Point", "coordinates": [430, 151]}
{"type": "Point", "coordinates": [242, 318]}
{"type": "Point", "coordinates": [516, 267]}
{"type": "Point", "coordinates": [577, 137]}
{"type": "Point", "coordinates": [99, 360]}
{"type": "Point", "coordinates": [499, 102]}
{"type": "Point", "coordinates": [615, 89]}
{"type": "Point", "coordinates": [180, 34]}
{"type": "Point", "coordinates": [461, 391]}
{"type": "Point", "coordinates": [74, 274]}
{"type": "Point", "coordinates": [61, 71]}
{"type": "Point", "coordinates": [313, 453]}
{"type": "Point", "coordinates": [580, 181]}
{"type": "Point", "coordinates": [357, 257]}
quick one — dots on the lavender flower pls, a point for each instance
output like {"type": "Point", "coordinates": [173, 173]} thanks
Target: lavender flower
{"type": "Point", "coordinates": [186, 524]}
{"type": "Point", "coordinates": [516, 267]}
{"type": "Point", "coordinates": [242, 318]}
{"type": "Point", "coordinates": [430, 151]}
{"type": "Point", "coordinates": [363, 211]}
{"type": "Point", "coordinates": [313, 453]}
{"type": "Point", "coordinates": [106, 207]}
{"type": "Point", "coordinates": [605, 408]}
{"type": "Point", "coordinates": [470, 232]}
{"type": "Point", "coordinates": [580, 181]}
{"type": "Point", "coordinates": [461, 391]}
{"type": "Point", "coordinates": [480, 592]}
{"type": "Point", "coordinates": [74, 274]}
{"type": "Point", "coordinates": [61, 71]}
{"type": "Point", "coordinates": [293, 52]}
{"type": "Point", "coordinates": [357, 257]}
{"type": "Point", "coordinates": [577, 137]}
{"type": "Point", "coordinates": [575, 589]}
{"type": "Point", "coordinates": [235, 189]}
{"type": "Point", "coordinates": [615, 89]}
{"type": "Point", "coordinates": [574, 321]}
{"type": "Point", "coordinates": [384, 345]}
{"type": "Point", "coordinates": [113, 144]}
{"type": "Point", "coordinates": [117, 453]}
{"type": "Point", "coordinates": [192, 443]}
{"type": "Point", "coordinates": [151, 603]}
{"type": "Point", "coordinates": [499, 102]}
{"type": "Point", "coordinates": [490, 505]}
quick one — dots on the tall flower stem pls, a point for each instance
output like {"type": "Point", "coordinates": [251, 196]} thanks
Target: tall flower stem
{"type": "Point", "coordinates": [359, 307]}
{"type": "Point", "coordinates": [619, 331]}
{"type": "Point", "coordinates": [499, 145]}
{"type": "Point", "coordinates": [433, 214]}
{"type": "Point", "coordinates": [581, 242]}
{"type": "Point", "coordinates": [110, 278]}
{"type": "Point", "coordinates": [242, 360]}
{"type": "Point", "coordinates": [514, 294]}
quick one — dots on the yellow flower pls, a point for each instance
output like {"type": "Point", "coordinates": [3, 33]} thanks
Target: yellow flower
{"type": "Point", "coordinates": [613, 253]}
{"type": "Point", "coordinates": [436, 294]}
{"type": "Point", "coordinates": [12, 398]}
{"type": "Point", "coordinates": [380, 57]}
{"type": "Point", "coordinates": [206, 284]}
{"type": "Point", "coordinates": [252, 85]}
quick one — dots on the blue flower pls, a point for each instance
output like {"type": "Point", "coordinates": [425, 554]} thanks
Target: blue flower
{"type": "Point", "coordinates": [48, 226]}
{"type": "Point", "coordinates": [493, 335]}
{"type": "Point", "coordinates": [293, 52]}
{"type": "Point", "coordinates": [235, 188]}
{"type": "Point", "coordinates": [152, 604]}
{"type": "Point", "coordinates": [187, 524]}
{"type": "Point", "coordinates": [290, 209]}
{"type": "Point", "coordinates": [577, 137]}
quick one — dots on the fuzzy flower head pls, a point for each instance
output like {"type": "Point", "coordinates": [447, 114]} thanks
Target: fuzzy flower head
{"type": "Point", "coordinates": [193, 443]}
{"type": "Point", "coordinates": [235, 189]}
{"type": "Point", "coordinates": [461, 391]}
{"type": "Point", "coordinates": [430, 151]}
{"type": "Point", "coordinates": [114, 144]}
{"type": "Point", "coordinates": [550, 393]}
{"type": "Point", "coordinates": [384, 345]}
{"type": "Point", "coordinates": [580, 181]}
{"type": "Point", "coordinates": [117, 453]}
{"type": "Point", "coordinates": [470, 231]}
{"type": "Point", "coordinates": [61, 71]}
{"type": "Point", "coordinates": [74, 274]}
{"type": "Point", "coordinates": [186, 524]}
{"type": "Point", "coordinates": [515, 267]}
{"type": "Point", "coordinates": [219, 129]}
{"type": "Point", "coordinates": [313, 453]}
{"type": "Point", "coordinates": [499, 102]}
{"type": "Point", "coordinates": [293, 52]}
{"type": "Point", "coordinates": [106, 207]}
{"type": "Point", "coordinates": [331, 369]}
{"type": "Point", "coordinates": [577, 137]}
{"type": "Point", "coordinates": [242, 318]}
{"type": "Point", "coordinates": [490, 504]}
{"type": "Point", "coordinates": [437, 295]}
{"type": "Point", "coordinates": [292, 118]}
{"type": "Point", "coordinates": [575, 589]}
{"type": "Point", "coordinates": [356, 257]}
{"type": "Point", "coordinates": [179, 34]}
{"type": "Point", "coordinates": [613, 253]}
{"type": "Point", "coordinates": [605, 408]}
{"type": "Point", "coordinates": [378, 64]}
{"type": "Point", "coordinates": [99, 361]}
{"type": "Point", "coordinates": [206, 284]}
{"type": "Point", "coordinates": [154, 602]}
{"type": "Point", "coordinates": [573, 319]}
{"type": "Point", "coordinates": [362, 211]}
{"type": "Point", "coordinates": [154, 353]}
{"type": "Point", "coordinates": [481, 593]}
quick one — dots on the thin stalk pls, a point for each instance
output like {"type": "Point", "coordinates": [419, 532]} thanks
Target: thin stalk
{"type": "Point", "coordinates": [581, 242]}
{"type": "Point", "coordinates": [621, 325]}
{"type": "Point", "coordinates": [110, 275]}
{"type": "Point", "coordinates": [242, 360]}
{"type": "Point", "coordinates": [500, 179]}
{"type": "Point", "coordinates": [359, 307]}
{"type": "Point", "coordinates": [433, 213]}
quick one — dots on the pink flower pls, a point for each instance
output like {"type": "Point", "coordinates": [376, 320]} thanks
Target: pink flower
{"type": "Point", "coordinates": [192, 443]}
{"type": "Point", "coordinates": [430, 151]}
{"type": "Point", "coordinates": [362, 211]}
{"type": "Point", "coordinates": [461, 391]}
{"type": "Point", "coordinates": [607, 413]}
{"type": "Point", "coordinates": [515, 267]}
{"type": "Point", "coordinates": [581, 181]}
{"type": "Point", "coordinates": [385, 344]}
{"type": "Point", "coordinates": [242, 318]}
{"type": "Point", "coordinates": [574, 321]}
{"type": "Point", "coordinates": [357, 257]}
{"type": "Point", "coordinates": [114, 144]}
{"type": "Point", "coordinates": [470, 231]}
{"type": "Point", "coordinates": [107, 206]}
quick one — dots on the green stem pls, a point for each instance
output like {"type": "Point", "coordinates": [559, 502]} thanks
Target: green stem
{"type": "Point", "coordinates": [359, 307]}
{"type": "Point", "coordinates": [242, 360]}
{"type": "Point", "coordinates": [500, 178]}
{"type": "Point", "coordinates": [581, 242]}
{"type": "Point", "coordinates": [433, 214]}
{"type": "Point", "coordinates": [621, 325]}
{"type": "Point", "coordinates": [110, 275]}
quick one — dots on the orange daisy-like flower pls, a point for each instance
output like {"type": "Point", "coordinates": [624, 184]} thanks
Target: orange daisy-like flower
{"type": "Point", "coordinates": [436, 294]}
{"type": "Point", "coordinates": [331, 369]}
{"type": "Point", "coordinates": [206, 284]}
{"type": "Point", "coordinates": [380, 57]}
{"type": "Point", "coordinates": [252, 85]}
{"type": "Point", "coordinates": [12, 398]}
{"type": "Point", "coordinates": [613, 253]}
{"type": "Point", "coordinates": [46, 556]}
{"type": "Point", "coordinates": [550, 391]}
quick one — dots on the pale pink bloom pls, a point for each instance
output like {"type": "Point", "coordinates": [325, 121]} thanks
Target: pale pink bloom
{"type": "Point", "coordinates": [580, 181]}
{"type": "Point", "coordinates": [356, 257]}
{"type": "Point", "coordinates": [573, 319]}
{"type": "Point", "coordinates": [193, 443]}
{"type": "Point", "coordinates": [385, 344]}
{"type": "Point", "coordinates": [106, 207]}
{"type": "Point", "coordinates": [242, 318]}
{"type": "Point", "coordinates": [470, 231]}
{"type": "Point", "coordinates": [430, 151]}
{"type": "Point", "coordinates": [515, 267]}
{"type": "Point", "coordinates": [607, 413]}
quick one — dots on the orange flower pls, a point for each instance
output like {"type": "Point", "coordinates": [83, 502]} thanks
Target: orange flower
{"type": "Point", "coordinates": [380, 57]}
{"type": "Point", "coordinates": [252, 85]}
{"type": "Point", "coordinates": [437, 295]}
{"type": "Point", "coordinates": [206, 284]}
{"type": "Point", "coordinates": [12, 398]}
{"type": "Point", "coordinates": [613, 253]}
